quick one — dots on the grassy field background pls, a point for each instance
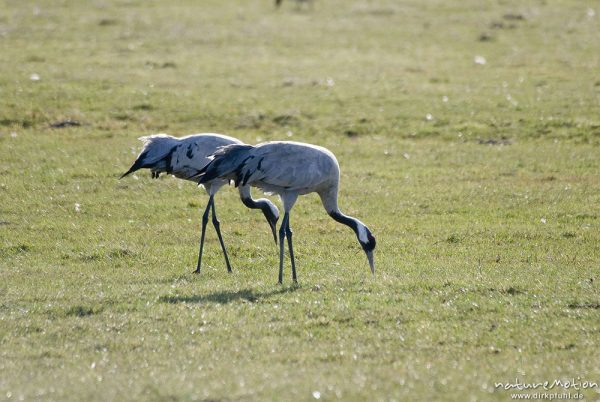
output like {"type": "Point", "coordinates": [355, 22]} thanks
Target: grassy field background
{"type": "Point", "coordinates": [481, 182]}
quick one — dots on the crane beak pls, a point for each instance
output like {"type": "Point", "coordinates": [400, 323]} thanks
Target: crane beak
{"type": "Point", "coordinates": [272, 220]}
{"type": "Point", "coordinates": [274, 230]}
{"type": "Point", "coordinates": [371, 261]}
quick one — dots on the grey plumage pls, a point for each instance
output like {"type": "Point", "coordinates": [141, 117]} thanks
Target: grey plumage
{"type": "Point", "coordinates": [184, 158]}
{"type": "Point", "coordinates": [288, 169]}
{"type": "Point", "coordinates": [275, 167]}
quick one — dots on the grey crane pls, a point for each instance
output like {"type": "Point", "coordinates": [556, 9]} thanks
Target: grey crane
{"type": "Point", "coordinates": [288, 169]}
{"type": "Point", "coordinates": [184, 158]}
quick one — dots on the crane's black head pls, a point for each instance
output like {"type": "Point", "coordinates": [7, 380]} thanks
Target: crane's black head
{"type": "Point", "coordinates": [367, 241]}
{"type": "Point", "coordinates": [364, 235]}
{"type": "Point", "coordinates": [268, 209]}
{"type": "Point", "coordinates": [370, 244]}
{"type": "Point", "coordinates": [272, 214]}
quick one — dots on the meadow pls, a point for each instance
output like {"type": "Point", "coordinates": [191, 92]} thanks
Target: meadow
{"type": "Point", "coordinates": [468, 135]}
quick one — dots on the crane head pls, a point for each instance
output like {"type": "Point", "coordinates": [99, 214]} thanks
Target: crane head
{"type": "Point", "coordinates": [367, 241]}
{"type": "Point", "coordinates": [272, 215]}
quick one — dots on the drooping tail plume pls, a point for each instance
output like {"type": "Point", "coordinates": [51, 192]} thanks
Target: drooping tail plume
{"type": "Point", "coordinates": [156, 154]}
{"type": "Point", "coordinates": [226, 163]}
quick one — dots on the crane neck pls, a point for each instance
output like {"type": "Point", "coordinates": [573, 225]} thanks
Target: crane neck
{"type": "Point", "coordinates": [338, 216]}
{"type": "Point", "coordinates": [363, 234]}
{"type": "Point", "coordinates": [329, 200]}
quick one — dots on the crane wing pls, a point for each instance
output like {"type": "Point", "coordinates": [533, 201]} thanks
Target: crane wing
{"type": "Point", "coordinates": [286, 166]}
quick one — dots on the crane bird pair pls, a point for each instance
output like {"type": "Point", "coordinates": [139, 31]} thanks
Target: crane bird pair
{"type": "Point", "coordinates": [184, 158]}
{"type": "Point", "coordinates": [288, 169]}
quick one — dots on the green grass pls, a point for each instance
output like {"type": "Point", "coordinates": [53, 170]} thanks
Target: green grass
{"type": "Point", "coordinates": [486, 213]}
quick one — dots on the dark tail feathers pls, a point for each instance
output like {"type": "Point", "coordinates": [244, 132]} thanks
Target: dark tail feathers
{"type": "Point", "coordinates": [156, 154]}
{"type": "Point", "coordinates": [226, 163]}
{"type": "Point", "coordinates": [138, 164]}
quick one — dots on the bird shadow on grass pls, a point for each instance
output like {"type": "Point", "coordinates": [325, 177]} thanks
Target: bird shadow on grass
{"type": "Point", "coordinates": [247, 295]}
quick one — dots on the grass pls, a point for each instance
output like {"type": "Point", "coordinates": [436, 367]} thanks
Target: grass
{"type": "Point", "coordinates": [480, 181]}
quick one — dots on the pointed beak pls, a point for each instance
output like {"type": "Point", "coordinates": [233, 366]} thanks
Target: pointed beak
{"type": "Point", "coordinates": [371, 261]}
{"type": "Point", "coordinates": [274, 230]}
{"type": "Point", "coordinates": [271, 220]}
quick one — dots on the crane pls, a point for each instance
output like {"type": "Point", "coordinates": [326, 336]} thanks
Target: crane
{"type": "Point", "coordinates": [289, 169]}
{"type": "Point", "coordinates": [184, 158]}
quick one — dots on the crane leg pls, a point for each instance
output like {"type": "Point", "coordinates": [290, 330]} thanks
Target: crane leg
{"type": "Point", "coordinates": [204, 223]}
{"type": "Point", "coordinates": [281, 245]}
{"type": "Point", "coordinates": [288, 234]}
{"type": "Point", "coordinates": [217, 226]}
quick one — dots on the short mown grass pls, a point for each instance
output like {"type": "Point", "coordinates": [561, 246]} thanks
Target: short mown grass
{"type": "Point", "coordinates": [481, 183]}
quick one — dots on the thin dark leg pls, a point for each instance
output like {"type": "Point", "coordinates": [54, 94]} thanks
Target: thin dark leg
{"type": "Point", "coordinates": [288, 234]}
{"type": "Point", "coordinates": [281, 245]}
{"type": "Point", "coordinates": [204, 222]}
{"type": "Point", "coordinates": [217, 226]}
